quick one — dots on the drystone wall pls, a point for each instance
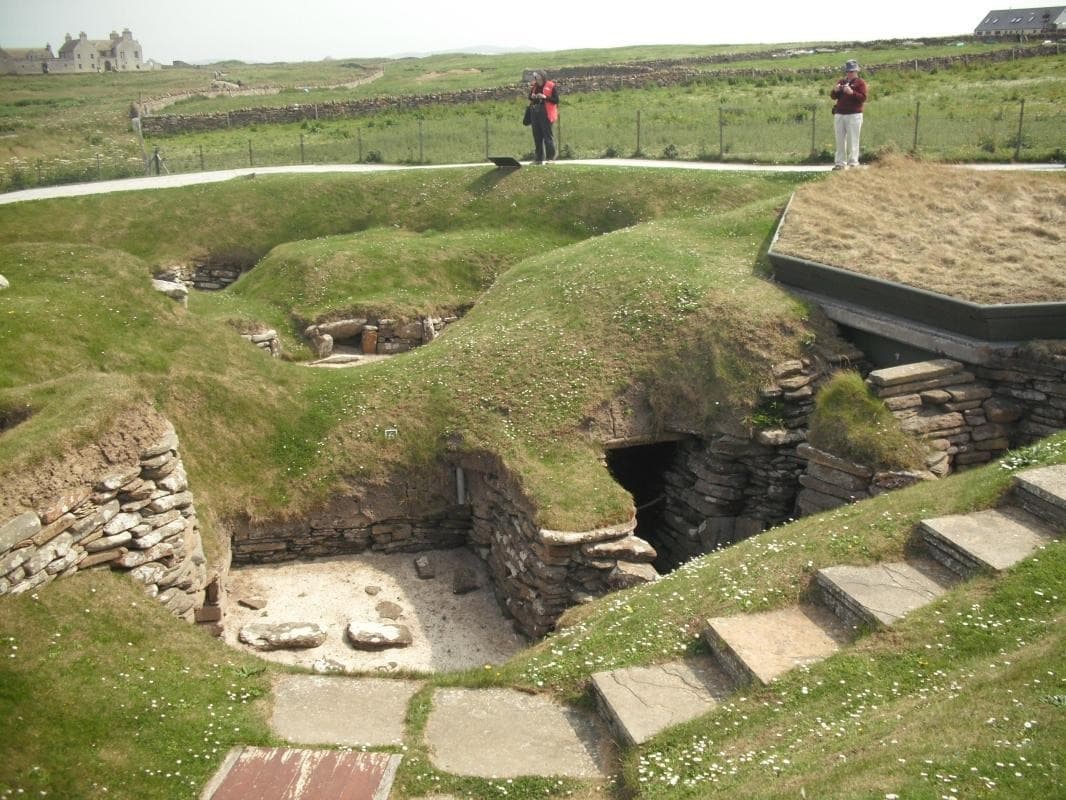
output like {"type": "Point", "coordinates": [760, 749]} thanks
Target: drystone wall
{"type": "Point", "coordinates": [968, 415]}
{"type": "Point", "coordinates": [1033, 379]}
{"type": "Point", "coordinates": [139, 519]}
{"type": "Point", "coordinates": [539, 573]}
{"type": "Point", "coordinates": [376, 335]}
{"type": "Point", "coordinates": [726, 488]}
{"type": "Point", "coordinates": [610, 78]}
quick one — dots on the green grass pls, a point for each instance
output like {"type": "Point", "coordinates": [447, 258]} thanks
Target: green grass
{"type": "Point", "coordinates": [850, 422]}
{"type": "Point", "coordinates": [579, 288]}
{"type": "Point", "coordinates": [104, 694]}
{"type": "Point", "coordinates": [61, 129]}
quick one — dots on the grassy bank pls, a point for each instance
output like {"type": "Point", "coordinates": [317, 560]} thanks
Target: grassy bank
{"type": "Point", "coordinates": [579, 287]}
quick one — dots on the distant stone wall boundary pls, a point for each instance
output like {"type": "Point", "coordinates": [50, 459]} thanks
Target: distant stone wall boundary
{"type": "Point", "coordinates": [576, 80]}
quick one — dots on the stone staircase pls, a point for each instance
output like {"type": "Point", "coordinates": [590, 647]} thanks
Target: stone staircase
{"type": "Point", "coordinates": [640, 702]}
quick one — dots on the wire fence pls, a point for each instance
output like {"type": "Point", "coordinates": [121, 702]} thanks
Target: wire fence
{"type": "Point", "coordinates": [787, 134]}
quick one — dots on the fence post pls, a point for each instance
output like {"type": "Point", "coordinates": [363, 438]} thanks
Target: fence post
{"type": "Point", "coordinates": [39, 165]}
{"type": "Point", "coordinates": [486, 137]}
{"type": "Point", "coordinates": [301, 148]}
{"type": "Point", "coordinates": [917, 115]}
{"type": "Point", "coordinates": [421, 159]}
{"type": "Point", "coordinates": [721, 133]}
{"type": "Point", "coordinates": [1018, 142]}
{"type": "Point", "coordinates": [638, 133]}
{"type": "Point", "coordinates": [814, 129]}
{"type": "Point", "coordinates": [201, 158]}
{"type": "Point", "coordinates": [250, 162]}
{"type": "Point", "coordinates": [99, 170]}
{"type": "Point", "coordinates": [359, 139]}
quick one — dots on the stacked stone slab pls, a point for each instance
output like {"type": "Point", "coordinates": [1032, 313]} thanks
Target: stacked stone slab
{"type": "Point", "coordinates": [1032, 381]}
{"type": "Point", "coordinates": [538, 573]}
{"type": "Point", "coordinates": [830, 481]}
{"type": "Point", "coordinates": [726, 488]}
{"type": "Point", "coordinates": [376, 336]}
{"type": "Point", "coordinates": [138, 519]}
{"type": "Point", "coordinates": [944, 404]}
{"type": "Point", "coordinates": [265, 340]}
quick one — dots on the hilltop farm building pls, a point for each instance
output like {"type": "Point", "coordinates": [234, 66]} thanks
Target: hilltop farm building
{"type": "Point", "coordinates": [1022, 22]}
{"type": "Point", "coordinates": [114, 54]}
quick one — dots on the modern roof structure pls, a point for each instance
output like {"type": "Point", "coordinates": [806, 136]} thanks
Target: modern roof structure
{"type": "Point", "coordinates": [1019, 21]}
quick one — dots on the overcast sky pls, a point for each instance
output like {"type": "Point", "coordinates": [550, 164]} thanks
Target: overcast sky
{"type": "Point", "coordinates": [310, 30]}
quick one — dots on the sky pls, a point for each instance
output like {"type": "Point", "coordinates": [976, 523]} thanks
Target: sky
{"type": "Point", "coordinates": [202, 31]}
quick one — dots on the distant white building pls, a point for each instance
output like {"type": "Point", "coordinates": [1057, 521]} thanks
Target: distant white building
{"type": "Point", "coordinates": [1022, 22]}
{"type": "Point", "coordinates": [114, 54]}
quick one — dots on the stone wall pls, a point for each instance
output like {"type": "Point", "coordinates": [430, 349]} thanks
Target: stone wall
{"type": "Point", "coordinates": [539, 573]}
{"type": "Point", "coordinates": [376, 335]}
{"type": "Point", "coordinates": [942, 403]}
{"type": "Point", "coordinates": [574, 81]}
{"type": "Point", "coordinates": [726, 488]}
{"type": "Point", "coordinates": [138, 519]}
{"type": "Point", "coordinates": [1035, 380]}
{"type": "Point", "coordinates": [968, 415]}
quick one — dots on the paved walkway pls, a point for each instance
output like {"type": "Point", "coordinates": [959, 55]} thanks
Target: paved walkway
{"type": "Point", "coordinates": [195, 178]}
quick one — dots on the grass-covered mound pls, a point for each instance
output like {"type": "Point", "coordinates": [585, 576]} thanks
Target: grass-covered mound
{"type": "Point", "coordinates": [581, 287]}
{"type": "Point", "coordinates": [986, 237]}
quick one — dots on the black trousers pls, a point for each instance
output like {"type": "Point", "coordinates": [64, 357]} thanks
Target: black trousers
{"type": "Point", "coordinates": [543, 136]}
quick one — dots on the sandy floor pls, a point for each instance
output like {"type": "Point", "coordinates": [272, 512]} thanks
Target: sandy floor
{"type": "Point", "coordinates": [450, 631]}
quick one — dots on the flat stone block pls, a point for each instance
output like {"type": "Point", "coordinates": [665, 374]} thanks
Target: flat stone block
{"type": "Point", "coordinates": [761, 647]}
{"type": "Point", "coordinates": [639, 702]}
{"type": "Point", "coordinates": [321, 709]}
{"type": "Point", "coordinates": [913, 373]}
{"type": "Point", "coordinates": [1047, 484]}
{"type": "Point", "coordinates": [883, 593]}
{"type": "Point", "coordinates": [993, 539]}
{"type": "Point", "coordinates": [502, 733]}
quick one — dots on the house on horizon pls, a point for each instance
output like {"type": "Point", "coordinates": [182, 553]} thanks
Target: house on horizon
{"type": "Point", "coordinates": [117, 53]}
{"type": "Point", "coordinates": [1022, 22]}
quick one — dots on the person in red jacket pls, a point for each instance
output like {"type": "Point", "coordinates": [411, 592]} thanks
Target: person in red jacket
{"type": "Point", "coordinates": [850, 95]}
{"type": "Point", "coordinates": [543, 102]}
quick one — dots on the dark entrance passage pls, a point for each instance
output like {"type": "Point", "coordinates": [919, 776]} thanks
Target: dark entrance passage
{"type": "Point", "coordinates": [641, 471]}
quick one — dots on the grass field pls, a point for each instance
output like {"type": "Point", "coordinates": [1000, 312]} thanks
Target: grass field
{"type": "Point", "coordinates": [59, 129]}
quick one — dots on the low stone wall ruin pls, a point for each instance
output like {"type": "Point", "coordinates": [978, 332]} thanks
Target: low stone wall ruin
{"type": "Point", "coordinates": [375, 335]}
{"type": "Point", "coordinates": [138, 519]}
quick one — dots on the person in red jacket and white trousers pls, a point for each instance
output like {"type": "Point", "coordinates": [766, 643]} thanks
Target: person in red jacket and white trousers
{"type": "Point", "coordinates": [545, 109]}
{"type": "Point", "coordinates": [850, 95]}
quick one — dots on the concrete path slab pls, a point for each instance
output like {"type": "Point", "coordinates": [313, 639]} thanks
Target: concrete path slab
{"type": "Point", "coordinates": [325, 709]}
{"type": "Point", "coordinates": [639, 702]}
{"type": "Point", "coordinates": [275, 773]}
{"type": "Point", "coordinates": [882, 593]}
{"type": "Point", "coordinates": [502, 733]}
{"type": "Point", "coordinates": [991, 540]}
{"type": "Point", "coordinates": [760, 647]}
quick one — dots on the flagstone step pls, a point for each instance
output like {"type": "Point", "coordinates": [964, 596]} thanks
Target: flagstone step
{"type": "Point", "coordinates": [984, 541]}
{"type": "Point", "coordinates": [880, 594]}
{"type": "Point", "coordinates": [760, 647]}
{"type": "Point", "coordinates": [639, 702]}
{"type": "Point", "coordinates": [1042, 491]}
